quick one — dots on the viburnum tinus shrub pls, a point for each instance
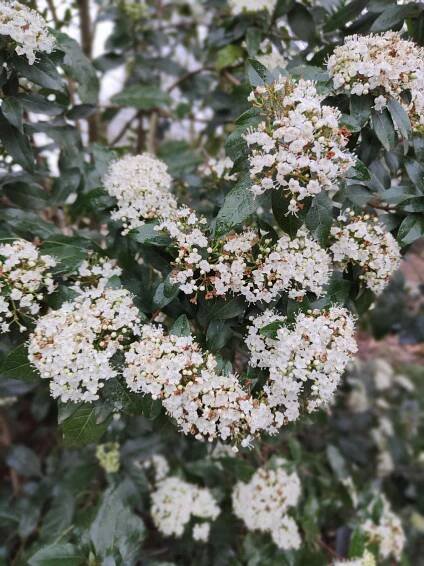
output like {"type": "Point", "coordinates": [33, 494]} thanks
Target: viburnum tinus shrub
{"type": "Point", "coordinates": [184, 270]}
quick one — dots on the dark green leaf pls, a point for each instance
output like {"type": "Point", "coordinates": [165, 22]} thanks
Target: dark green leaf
{"type": "Point", "coordinates": [69, 252]}
{"type": "Point", "coordinates": [239, 204]}
{"type": "Point", "coordinates": [302, 23]}
{"type": "Point", "coordinates": [394, 15]}
{"type": "Point", "coordinates": [287, 221]}
{"type": "Point", "coordinates": [24, 460]}
{"type": "Point", "coordinates": [57, 555]}
{"type": "Point", "coordinates": [411, 229]}
{"type": "Point", "coordinates": [82, 424]}
{"type": "Point", "coordinates": [16, 366]}
{"type": "Point", "coordinates": [142, 97]}
{"type": "Point", "coordinates": [383, 128]}
{"type": "Point", "coordinates": [181, 326]}
{"type": "Point", "coordinates": [319, 217]}
{"type": "Point", "coordinates": [12, 111]}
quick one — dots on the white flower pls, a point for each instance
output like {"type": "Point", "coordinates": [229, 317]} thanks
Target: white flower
{"type": "Point", "coordinates": [201, 401]}
{"type": "Point", "coordinates": [270, 56]}
{"type": "Point", "coordinates": [311, 353]}
{"type": "Point", "coordinates": [96, 272]}
{"type": "Point", "coordinates": [219, 168]}
{"type": "Point", "coordinates": [383, 65]}
{"type": "Point", "coordinates": [299, 146]}
{"type": "Point", "coordinates": [160, 466]}
{"type": "Point", "coordinates": [201, 532]}
{"type": "Point", "coordinates": [175, 502]}
{"type": "Point", "coordinates": [240, 6]}
{"type": "Point", "coordinates": [363, 241]}
{"type": "Point", "coordinates": [27, 29]}
{"type": "Point", "coordinates": [73, 345]}
{"type": "Point", "coordinates": [250, 264]}
{"type": "Point", "coordinates": [141, 185]}
{"type": "Point", "coordinates": [367, 559]}
{"type": "Point", "coordinates": [263, 503]}
{"type": "Point", "coordinates": [24, 281]}
{"type": "Point", "coordinates": [387, 533]}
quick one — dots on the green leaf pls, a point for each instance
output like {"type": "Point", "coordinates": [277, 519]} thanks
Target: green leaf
{"type": "Point", "coordinates": [228, 56]}
{"type": "Point", "coordinates": [235, 146]}
{"type": "Point", "coordinates": [394, 15]}
{"type": "Point", "coordinates": [337, 291]}
{"type": "Point", "coordinates": [218, 334]}
{"type": "Point", "coordinates": [239, 204]}
{"type": "Point", "coordinates": [116, 528]}
{"type": "Point", "coordinates": [24, 460]}
{"type": "Point", "coordinates": [359, 172]}
{"type": "Point", "coordinates": [287, 221]}
{"type": "Point", "coordinates": [411, 229]}
{"type": "Point", "coordinates": [222, 309]}
{"type": "Point", "coordinates": [16, 144]}
{"type": "Point", "coordinates": [302, 23]}
{"type": "Point", "coordinates": [69, 251]}
{"type": "Point", "coordinates": [257, 73]}
{"type": "Point", "coordinates": [43, 72]}
{"type": "Point", "coordinates": [319, 217]}
{"type": "Point", "coordinates": [143, 97]}
{"type": "Point", "coordinates": [360, 108]}
{"type": "Point", "coordinates": [79, 68]}
{"type": "Point", "coordinates": [82, 424]}
{"type": "Point", "coordinates": [147, 235]}
{"type": "Point", "coordinates": [164, 294]}
{"type": "Point", "coordinates": [181, 326]}
{"type": "Point", "coordinates": [344, 14]}
{"type": "Point", "coordinates": [12, 111]}
{"type": "Point", "coordinates": [16, 366]}
{"type": "Point", "coordinates": [57, 555]}
{"type": "Point", "coordinates": [413, 204]}
{"type": "Point", "coordinates": [383, 128]}
{"type": "Point", "coordinates": [399, 117]}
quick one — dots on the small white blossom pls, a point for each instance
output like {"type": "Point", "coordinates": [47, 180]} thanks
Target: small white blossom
{"type": "Point", "coordinates": [387, 533]}
{"type": "Point", "coordinates": [73, 346]}
{"type": "Point", "coordinates": [141, 185]}
{"type": "Point", "coordinates": [314, 350]}
{"type": "Point", "coordinates": [367, 559]}
{"type": "Point", "coordinates": [27, 29]}
{"type": "Point", "coordinates": [263, 503]}
{"type": "Point", "coordinates": [24, 281]}
{"type": "Point", "coordinates": [382, 65]}
{"type": "Point", "coordinates": [299, 146]}
{"type": "Point", "coordinates": [175, 502]}
{"type": "Point", "coordinates": [363, 241]}
{"type": "Point", "coordinates": [201, 401]}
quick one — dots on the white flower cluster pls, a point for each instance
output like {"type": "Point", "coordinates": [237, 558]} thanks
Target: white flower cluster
{"type": "Point", "coordinates": [141, 185]}
{"type": "Point", "coordinates": [388, 533]}
{"type": "Point", "coordinates": [299, 145]}
{"type": "Point", "coordinates": [367, 559]}
{"type": "Point", "coordinates": [264, 502]}
{"type": "Point", "coordinates": [175, 502]}
{"type": "Point", "coordinates": [253, 266]}
{"type": "Point", "coordinates": [219, 168]}
{"type": "Point", "coordinates": [96, 272]}
{"type": "Point", "coordinates": [362, 240]}
{"type": "Point", "coordinates": [270, 56]}
{"type": "Point", "coordinates": [305, 359]}
{"type": "Point", "coordinates": [187, 231]}
{"type": "Point", "coordinates": [27, 29]}
{"type": "Point", "coordinates": [73, 345]}
{"type": "Point", "coordinates": [24, 281]}
{"type": "Point", "coordinates": [383, 65]}
{"type": "Point", "coordinates": [202, 402]}
{"type": "Point", "coordinates": [160, 466]}
{"type": "Point", "coordinates": [239, 6]}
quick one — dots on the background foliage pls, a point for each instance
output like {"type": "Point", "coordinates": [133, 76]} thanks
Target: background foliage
{"type": "Point", "coordinates": [184, 71]}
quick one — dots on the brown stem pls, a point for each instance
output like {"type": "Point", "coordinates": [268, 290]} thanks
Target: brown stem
{"type": "Point", "coordinates": [141, 134]}
{"type": "Point", "coordinates": [87, 47]}
{"type": "Point", "coordinates": [6, 440]}
{"type": "Point", "coordinates": [151, 134]}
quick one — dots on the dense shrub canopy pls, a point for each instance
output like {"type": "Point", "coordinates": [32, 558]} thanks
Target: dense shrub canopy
{"type": "Point", "coordinates": [209, 210]}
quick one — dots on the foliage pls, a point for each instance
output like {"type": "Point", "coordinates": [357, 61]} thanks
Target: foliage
{"type": "Point", "coordinates": [185, 70]}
